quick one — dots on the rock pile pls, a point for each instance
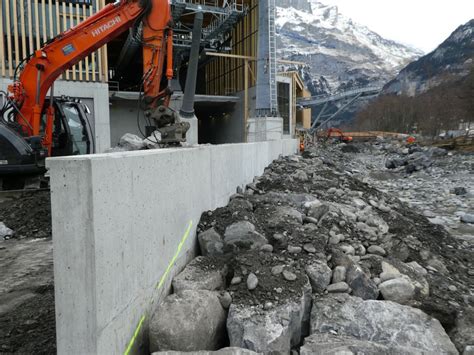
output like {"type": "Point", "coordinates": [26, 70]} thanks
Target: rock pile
{"type": "Point", "coordinates": [309, 257]}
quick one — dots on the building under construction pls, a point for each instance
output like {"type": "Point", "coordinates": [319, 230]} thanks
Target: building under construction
{"type": "Point", "coordinates": [108, 80]}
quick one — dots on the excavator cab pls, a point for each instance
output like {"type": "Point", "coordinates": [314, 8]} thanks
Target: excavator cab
{"type": "Point", "coordinates": [72, 131]}
{"type": "Point", "coordinates": [72, 135]}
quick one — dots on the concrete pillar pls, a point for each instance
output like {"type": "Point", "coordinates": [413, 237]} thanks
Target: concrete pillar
{"type": "Point", "coordinates": [267, 125]}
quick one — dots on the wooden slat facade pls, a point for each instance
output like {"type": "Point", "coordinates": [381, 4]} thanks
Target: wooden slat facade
{"type": "Point", "coordinates": [225, 76]}
{"type": "Point", "coordinates": [25, 25]}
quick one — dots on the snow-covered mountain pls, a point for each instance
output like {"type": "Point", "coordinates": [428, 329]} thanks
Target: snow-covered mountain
{"type": "Point", "coordinates": [339, 52]}
{"type": "Point", "coordinates": [450, 62]}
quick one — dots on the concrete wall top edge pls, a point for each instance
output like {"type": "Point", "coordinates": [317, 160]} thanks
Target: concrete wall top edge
{"type": "Point", "coordinates": [136, 153]}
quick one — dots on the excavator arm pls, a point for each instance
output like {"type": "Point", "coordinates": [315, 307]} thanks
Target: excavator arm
{"type": "Point", "coordinates": [68, 48]}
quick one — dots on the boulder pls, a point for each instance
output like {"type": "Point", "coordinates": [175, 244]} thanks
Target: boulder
{"type": "Point", "coordinates": [467, 218]}
{"type": "Point", "coordinates": [339, 274]}
{"type": "Point", "coordinates": [200, 274]}
{"type": "Point", "coordinates": [5, 231]}
{"type": "Point", "coordinates": [177, 323]}
{"type": "Point", "coordinates": [210, 242]}
{"type": "Point", "coordinates": [323, 344]}
{"type": "Point", "coordinates": [383, 322]}
{"type": "Point", "coordinates": [131, 141]}
{"type": "Point", "coordinates": [318, 212]}
{"type": "Point", "coordinates": [394, 163]}
{"type": "Point", "coordinates": [338, 287]}
{"type": "Point", "coordinates": [399, 290]}
{"type": "Point", "coordinates": [463, 332]}
{"type": "Point", "coordinates": [223, 351]}
{"type": "Point", "coordinates": [361, 284]}
{"type": "Point", "coordinates": [283, 214]}
{"type": "Point", "coordinates": [242, 235]}
{"type": "Point", "coordinates": [277, 329]}
{"type": "Point", "coordinates": [319, 275]}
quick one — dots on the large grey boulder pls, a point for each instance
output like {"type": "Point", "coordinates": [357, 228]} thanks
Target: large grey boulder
{"type": "Point", "coordinates": [131, 141]}
{"type": "Point", "coordinates": [242, 236]}
{"type": "Point", "coordinates": [330, 344]}
{"type": "Point", "coordinates": [463, 332]}
{"type": "Point", "coordinates": [285, 214]}
{"type": "Point", "coordinates": [399, 290]}
{"type": "Point", "coordinates": [319, 274]}
{"type": "Point", "coordinates": [5, 231]}
{"type": "Point", "coordinates": [210, 242]}
{"type": "Point", "coordinates": [188, 321]}
{"type": "Point", "coordinates": [277, 329]}
{"type": "Point", "coordinates": [201, 274]}
{"type": "Point", "coordinates": [383, 322]}
{"type": "Point", "coordinates": [361, 284]}
{"type": "Point", "coordinates": [223, 351]}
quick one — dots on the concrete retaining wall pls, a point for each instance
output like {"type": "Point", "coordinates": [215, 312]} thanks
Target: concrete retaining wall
{"type": "Point", "coordinates": [117, 222]}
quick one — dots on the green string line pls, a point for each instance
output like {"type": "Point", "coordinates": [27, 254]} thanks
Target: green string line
{"type": "Point", "coordinates": [129, 347]}
{"type": "Point", "coordinates": [162, 280]}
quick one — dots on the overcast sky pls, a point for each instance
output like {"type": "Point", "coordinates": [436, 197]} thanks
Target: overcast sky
{"type": "Point", "coordinates": [420, 23]}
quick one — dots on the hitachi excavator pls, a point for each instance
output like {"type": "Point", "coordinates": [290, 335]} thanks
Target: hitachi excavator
{"type": "Point", "coordinates": [33, 127]}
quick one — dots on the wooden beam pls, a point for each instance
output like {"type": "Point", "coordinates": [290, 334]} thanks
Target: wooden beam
{"type": "Point", "coordinates": [51, 26]}
{"type": "Point", "coordinates": [104, 61]}
{"type": "Point", "coordinates": [80, 65]}
{"type": "Point", "coordinates": [2, 48]}
{"type": "Point", "coordinates": [246, 57]}
{"type": "Point", "coordinates": [23, 29]}
{"type": "Point", "coordinates": [15, 34]}
{"type": "Point", "coordinates": [225, 55]}
{"type": "Point", "coordinates": [84, 12]}
{"type": "Point", "coordinates": [37, 25]}
{"type": "Point", "coordinates": [284, 61]}
{"type": "Point", "coordinates": [9, 39]}
{"type": "Point", "coordinates": [43, 20]}
{"type": "Point", "coordinates": [31, 48]}
{"type": "Point", "coordinates": [71, 25]}
{"type": "Point", "coordinates": [64, 28]}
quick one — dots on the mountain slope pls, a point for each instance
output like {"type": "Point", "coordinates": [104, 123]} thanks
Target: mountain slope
{"type": "Point", "coordinates": [451, 61]}
{"type": "Point", "coordinates": [339, 52]}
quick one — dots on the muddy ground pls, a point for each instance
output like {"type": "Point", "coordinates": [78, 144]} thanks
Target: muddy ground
{"type": "Point", "coordinates": [27, 318]}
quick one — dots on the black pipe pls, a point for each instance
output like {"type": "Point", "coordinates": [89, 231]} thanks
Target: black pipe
{"type": "Point", "coordinates": [187, 109]}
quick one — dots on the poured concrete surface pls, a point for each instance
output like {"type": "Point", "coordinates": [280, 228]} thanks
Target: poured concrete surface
{"type": "Point", "coordinates": [117, 222]}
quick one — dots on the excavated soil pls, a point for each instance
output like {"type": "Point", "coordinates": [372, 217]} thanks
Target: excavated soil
{"type": "Point", "coordinates": [27, 317]}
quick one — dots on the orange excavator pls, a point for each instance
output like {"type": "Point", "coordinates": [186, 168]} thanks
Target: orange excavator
{"type": "Point", "coordinates": [339, 135]}
{"type": "Point", "coordinates": [33, 127]}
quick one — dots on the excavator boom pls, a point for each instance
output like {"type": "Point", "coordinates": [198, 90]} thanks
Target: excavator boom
{"type": "Point", "coordinates": [68, 48]}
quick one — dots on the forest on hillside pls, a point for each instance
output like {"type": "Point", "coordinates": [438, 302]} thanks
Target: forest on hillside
{"type": "Point", "coordinates": [439, 109]}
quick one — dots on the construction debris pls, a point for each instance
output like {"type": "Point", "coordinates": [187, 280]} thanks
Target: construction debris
{"type": "Point", "coordinates": [320, 260]}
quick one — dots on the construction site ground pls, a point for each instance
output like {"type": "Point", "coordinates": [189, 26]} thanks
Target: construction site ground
{"type": "Point", "coordinates": [426, 210]}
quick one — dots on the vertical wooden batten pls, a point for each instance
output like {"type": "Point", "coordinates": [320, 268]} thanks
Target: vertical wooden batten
{"type": "Point", "coordinates": [15, 33]}
{"type": "Point", "coordinates": [2, 44]}
{"type": "Point", "coordinates": [29, 13]}
{"type": "Point", "coordinates": [84, 12]}
{"type": "Point", "coordinates": [37, 25]}
{"type": "Point", "coordinates": [64, 29]}
{"type": "Point", "coordinates": [93, 55]}
{"type": "Point", "coordinates": [50, 16]}
{"type": "Point", "coordinates": [24, 52]}
{"type": "Point", "coordinates": [78, 20]}
{"type": "Point", "coordinates": [99, 51]}
{"type": "Point", "coordinates": [105, 62]}
{"type": "Point", "coordinates": [9, 39]}
{"type": "Point", "coordinates": [71, 25]}
{"type": "Point", "coordinates": [43, 20]}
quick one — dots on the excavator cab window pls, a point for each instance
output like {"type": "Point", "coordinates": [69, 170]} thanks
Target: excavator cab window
{"type": "Point", "coordinates": [70, 131]}
{"type": "Point", "coordinates": [78, 132]}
